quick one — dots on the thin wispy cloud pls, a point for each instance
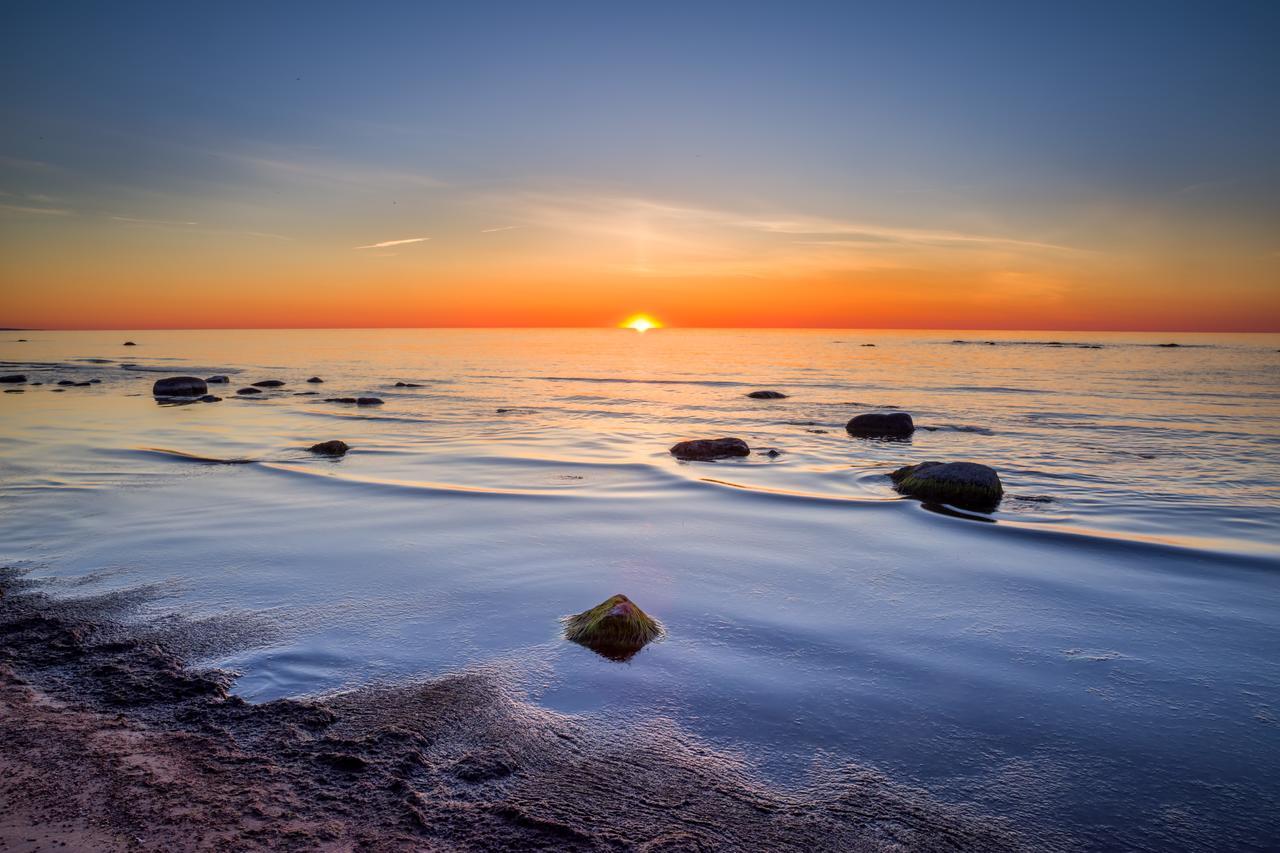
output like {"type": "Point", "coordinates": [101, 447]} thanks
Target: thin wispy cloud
{"type": "Point", "coordinates": [385, 243]}
{"type": "Point", "coordinates": [37, 211]}
{"type": "Point", "coordinates": [503, 228]}
{"type": "Point", "coordinates": [140, 221]}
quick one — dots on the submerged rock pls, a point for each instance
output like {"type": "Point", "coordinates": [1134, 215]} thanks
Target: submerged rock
{"type": "Point", "coordinates": [703, 449]}
{"type": "Point", "coordinates": [351, 400]}
{"type": "Point", "coordinates": [767, 395]}
{"type": "Point", "coordinates": [1168, 346]}
{"type": "Point", "coordinates": [66, 383]}
{"type": "Point", "coordinates": [247, 391]}
{"type": "Point", "coordinates": [330, 448]}
{"type": "Point", "coordinates": [963, 484]}
{"type": "Point", "coordinates": [209, 398]}
{"type": "Point", "coordinates": [129, 344]}
{"type": "Point", "coordinates": [408, 385]}
{"type": "Point", "coordinates": [772, 453]}
{"type": "Point", "coordinates": [315, 379]}
{"type": "Point", "coordinates": [14, 377]}
{"type": "Point", "coordinates": [881, 424]}
{"type": "Point", "coordinates": [615, 628]}
{"type": "Point", "coordinates": [15, 390]}
{"type": "Point", "coordinates": [368, 401]}
{"type": "Point", "coordinates": [268, 383]}
{"type": "Point", "coordinates": [218, 380]}
{"type": "Point", "coordinates": [179, 386]}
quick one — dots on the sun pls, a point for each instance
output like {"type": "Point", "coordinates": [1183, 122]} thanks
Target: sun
{"type": "Point", "coordinates": [641, 323]}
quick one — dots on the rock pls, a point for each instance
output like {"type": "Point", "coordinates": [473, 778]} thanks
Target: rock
{"type": "Point", "coordinates": [330, 448]}
{"type": "Point", "coordinates": [767, 395]}
{"type": "Point", "coordinates": [129, 344]}
{"type": "Point", "coordinates": [868, 345]}
{"type": "Point", "coordinates": [304, 393]}
{"type": "Point", "coordinates": [368, 401]}
{"type": "Point", "coordinates": [95, 381]}
{"type": "Point", "coordinates": [81, 384]}
{"type": "Point", "coordinates": [408, 385]}
{"type": "Point", "coordinates": [14, 377]}
{"type": "Point", "coordinates": [615, 628]}
{"type": "Point", "coordinates": [962, 484]}
{"type": "Point", "coordinates": [22, 340]}
{"type": "Point", "coordinates": [703, 449]}
{"type": "Point", "coordinates": [340, 400]}
{"type": "Point", "coordinates": [248, 391]}
{"type": "Point", "coordinates": [58, 390]}
{"type": "Point", "coordinates": [315, 379]}
{"type": "Point", "coordinates": [37, 383]}
{"type": "Point", "coordinates": [15, 390]}
{"type": "Point", "coordinates": [268, 383]}
{"type": "Point", "coordinates": [881, 424]}
{"type": "Point", "coordinates": [179, 386]}
{"type": "Point", "coordinates": [1168, 346]}
{"type": "Point", "coordinates": [209, 398]}
{"type": "Point", "coordinates": [771, 453]}
{"type": "Point", "coordinates": [218, 380]}
{"type": "Point", "coordinates": [66, 383]}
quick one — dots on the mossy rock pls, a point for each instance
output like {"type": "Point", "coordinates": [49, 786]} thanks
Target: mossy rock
{"type": "Point", "coordinates": [963, 484]}
{"type": "Point", "coordinates": [615, 628]}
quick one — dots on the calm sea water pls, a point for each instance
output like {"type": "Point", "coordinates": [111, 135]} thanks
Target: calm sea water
{"type": "Point", "coordinates": [1097, 661]}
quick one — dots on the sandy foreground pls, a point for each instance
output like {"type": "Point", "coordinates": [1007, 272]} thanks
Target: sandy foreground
{"type": "Point", "coordinates": [107, 742]}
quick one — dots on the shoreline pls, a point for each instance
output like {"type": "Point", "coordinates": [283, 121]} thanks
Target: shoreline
{"type": "Point", "coordinates": [108, 741]}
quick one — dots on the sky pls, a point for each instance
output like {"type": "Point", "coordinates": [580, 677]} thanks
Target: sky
{"type": "Point", "coordinates": [900, 165]}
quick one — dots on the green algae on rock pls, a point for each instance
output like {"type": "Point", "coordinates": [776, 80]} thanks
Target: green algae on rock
{"type": "Point", "coordinates": [962, 484]}
{"type": "Point", "coordinates": [615, 628]}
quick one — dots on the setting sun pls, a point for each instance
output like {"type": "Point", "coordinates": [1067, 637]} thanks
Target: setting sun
{"type": "Point", "coordinates": [641, 323]}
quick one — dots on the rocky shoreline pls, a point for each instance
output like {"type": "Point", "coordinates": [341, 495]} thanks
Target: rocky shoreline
{"type": "Point", "coordinates": [107, 741]}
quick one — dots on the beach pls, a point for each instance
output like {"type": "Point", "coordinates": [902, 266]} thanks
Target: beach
{"type": "Point", "coordinates": [367, 649]}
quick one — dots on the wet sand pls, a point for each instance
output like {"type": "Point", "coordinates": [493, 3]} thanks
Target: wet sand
{"type": "Point", "coordinates": [108, 742]}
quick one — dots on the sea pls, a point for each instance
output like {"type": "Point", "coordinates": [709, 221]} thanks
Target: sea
{"type": "Point", "coordinates": [1096, 662]}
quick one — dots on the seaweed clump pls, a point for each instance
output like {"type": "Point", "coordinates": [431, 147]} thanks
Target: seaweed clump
{"type": "Point", "coordinates": [615, 628]}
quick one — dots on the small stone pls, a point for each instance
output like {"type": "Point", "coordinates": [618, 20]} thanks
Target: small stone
{"type": "Point", "coordinates": [330, 448]}
{"type": "Point", "coordinates": [66, 383]}
{"type": "Point", "coordinates": [179, 386]}
{"type": "Point", "coordinates": [368, 401]}
{"type": "Point", "coordinates": [209, 398]}
{"type": "Point", "coordinates": [315, 379]}
{"type": "Point", "coordinates": [881, 425]}
{"type": "Point", "coordinates": [408, 385]}
{"type": "Point", "coordinates": [704, 449]}
{"type": "Point", "coordinates": [268, 383]}
{"type": "Point", "coordinates": [130, 344]}
{"type": "Point", "coordinates": [340, 400]}
{"type": "Point", "coordinates": [218, 380]}
{"type": "Point", "coordinates": [767, 395]}
{"type": "Point", "coordinates": [248, 391]}
{"type": "Point", "coordinates": [14, 377]}
{"type": "Point", "coordinates": [771, 453]}
{"type": "Point", "coordinates": [15, 390]}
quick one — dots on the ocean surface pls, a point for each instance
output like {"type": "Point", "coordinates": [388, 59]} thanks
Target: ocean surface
{"type": "Point", "coordinates": [1096, 662]}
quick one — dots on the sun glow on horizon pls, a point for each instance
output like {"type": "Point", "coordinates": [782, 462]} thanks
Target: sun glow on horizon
{"type": "Point", "coordinates": [641, 323]}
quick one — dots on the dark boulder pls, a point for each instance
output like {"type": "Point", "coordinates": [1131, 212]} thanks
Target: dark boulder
{"type": "Point", "coordinates": [245, 392]}
{"type": "Point", "coordinates": [179, 386]}
{"type": "Point", "coordinates": [268, 383]}
{"type": "Point", "coordinates": [209, 398]}
{"type": "Point", "coordinates": [767, 395]}
{"type": "Point", "coordinates": [963, 484]}
{"type": "Point", "coordinates": [703, 449]}
{"type": "Point", "coordinates": [315, 379]}
{"type": "Point", "coordinates": [218, 380]}
{"type": "Point", "coordinates": [14, 377]}
{"type": "Point", "coordinates": [881, 424]}
{"type": "Point", "coordinates": [330, 448]}
{"type": "Point", "coordinates": [368, 401]}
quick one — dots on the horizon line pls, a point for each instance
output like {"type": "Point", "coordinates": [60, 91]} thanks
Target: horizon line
{"type": "Point", "coordinates": [665, 328]}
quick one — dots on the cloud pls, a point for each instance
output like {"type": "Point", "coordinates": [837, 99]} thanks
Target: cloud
{"type": "Point", "coordinates": [503, 228]}
{"type": "Point", "coordinates": [138, 221]}
{"type": "Point", "coordinates": [42, 211]}
{"type": "Point", "coordinates": [386, 243]}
